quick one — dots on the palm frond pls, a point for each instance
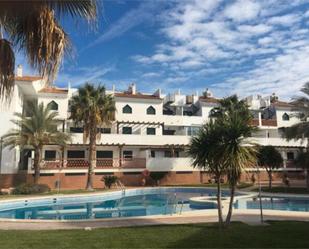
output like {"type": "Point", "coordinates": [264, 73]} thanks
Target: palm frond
{"type": "Point", "coordinates": [7, 65]}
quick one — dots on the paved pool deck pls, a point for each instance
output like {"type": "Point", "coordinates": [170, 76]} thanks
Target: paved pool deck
{"type": "Point", "coordinates": [251, 217]}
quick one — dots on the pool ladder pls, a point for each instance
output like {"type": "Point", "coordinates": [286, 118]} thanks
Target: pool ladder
{"type": "Point", "coordinates": [120, 185]}
{"type": "Point", "coordinates": [173, 200]}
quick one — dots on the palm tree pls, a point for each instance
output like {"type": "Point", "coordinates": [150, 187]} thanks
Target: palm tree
{"type": "Point", "coordinates": [35, 131]}
{"type": "Point", "coordinates": [93, 109]}
{"type": "Point", "coordinates": [33, 27]}
{"type": "Point", "coordinates": [234, 117]}
{"type": "Point", "coordinates": [300, 131]}
{"type": "Point", "coordinates": [302, 161]}
{"type": "Point", "coordinates": [205, 149]}
{"type": "Point", "coordinates": [270, 159]}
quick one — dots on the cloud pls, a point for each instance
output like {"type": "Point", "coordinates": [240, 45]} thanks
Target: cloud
{"type": "Point", "coordinates": [81, 75]}
{"type": "Point", "coordinates": [145, 11]}
{"type": "Point", "coordinates": [240, 47]}
{"type": "Point", "coordinates": [242, 10]}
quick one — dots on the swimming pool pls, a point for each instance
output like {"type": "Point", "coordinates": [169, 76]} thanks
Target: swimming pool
{"type": "Point", "coordinates": [131, 203]}
{"type": "Point", "coordinates": [135, 202]}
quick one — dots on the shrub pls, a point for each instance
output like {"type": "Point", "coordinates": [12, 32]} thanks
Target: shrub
{"type": "Point", "coordinates": [30, 188]}
{"type": "Point", "coordinates": [157, 176]}
{"type": "Point", "coordinates": [109, 180]}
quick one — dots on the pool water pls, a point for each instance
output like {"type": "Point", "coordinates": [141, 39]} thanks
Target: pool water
{"type": "Point", "coordinates": [133, 202]}
{"type": "Point", "coordinates": [141, 203]}
{"type": "Point", "coordinates": [275, 203]}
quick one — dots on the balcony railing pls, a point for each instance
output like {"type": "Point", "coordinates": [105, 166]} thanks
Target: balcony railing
{"type": "Point", "coordinates": [81, 163]}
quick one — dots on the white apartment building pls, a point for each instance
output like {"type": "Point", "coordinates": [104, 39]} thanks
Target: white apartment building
{"type": "Point", "coordinates": [151, 132]}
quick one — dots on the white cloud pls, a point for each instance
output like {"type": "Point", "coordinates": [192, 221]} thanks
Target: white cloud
{"type": "Point", "coordinates": [255, 29]}
{"type": "Point", "coordinates": [242, 10]}
{"type": "Point", "coordinates": [285, 20]}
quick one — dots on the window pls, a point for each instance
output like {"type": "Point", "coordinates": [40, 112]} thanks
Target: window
{"type": "Point", "coordinates": [151, 110]}
{"type": "Point", "coordinates": [76, 154]}
{"type": "Point", "coordinates": [151, 131]}
{"type": "Point", "coordinates": [106, 130]}
{"type": "Point", "coordinates": [50, 155]}
{"type": "Point", "coordinates": [290, 155]}
{"type": "Point", "coordinates": [285, 117]}
{"type": "Point", "coordinates": [76, 129]}
{"type": "Point", "coordinates": [127, 109]}
{"type": "Point", "coordinates": [53, 106]}
{"type": "Point", "coordinates": [167, 153]}
{"type": "Point", "coordinates": [104, 154]}
{"type": "Point", "coordinates": [127, 154]}
{"type": "Point", "coordinates": [126, 130]}
{"type": "Point", "coordinates": [152, 153]}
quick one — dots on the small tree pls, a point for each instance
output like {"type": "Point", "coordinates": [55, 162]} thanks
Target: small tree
{"type": "Point", "coordinates": [302, 161]}
{"type": "Point", "coordinates": [109, 180]}
{"type": "Point", "coordinates": [157, 176]}
{"type": "Point", "coordinates": [269, 158]}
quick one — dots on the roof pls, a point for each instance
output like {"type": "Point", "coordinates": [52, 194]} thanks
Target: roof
{"type": "Point", "coordinates": [53, 90]}
{"type": "Point", "coordinates": [137, 96]}
{"type": "Point", "coordinates": [209, 99]}
{"type": "Point", "coordinates": [28, 78]}
{"type": "Point", "coordinates": [283, 104]}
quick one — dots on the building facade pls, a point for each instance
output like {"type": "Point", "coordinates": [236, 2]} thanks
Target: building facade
{"type": "Point", "coordinates": [151, 132]}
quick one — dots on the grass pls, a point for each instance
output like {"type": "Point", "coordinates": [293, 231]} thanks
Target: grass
{"type": "Point", "coordinates": [238, 235]}
{"type": "Point", "coordinates": [290, 190]}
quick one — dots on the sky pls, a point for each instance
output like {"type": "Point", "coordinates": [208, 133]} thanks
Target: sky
{"type": "Point", "coordinates": [243, 46]}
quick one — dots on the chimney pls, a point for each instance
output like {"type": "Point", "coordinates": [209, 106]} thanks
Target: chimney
{"type": "Point", "coordinates": [113, 88]}
{"type": "Point", "coordinates": [157, 92]}
{"type": "Point", "coordinates": [133, 88]}
{"type": "Point", "coordinates": [19, 71]}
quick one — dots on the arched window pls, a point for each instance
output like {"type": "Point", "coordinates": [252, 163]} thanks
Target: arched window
{"type": "Point", "coordinates": [285, 117]}
{"type": "Point", "coordinates": [127, 109]}
{"type": "Point", "coordinates": [151, 110]}
{"type": "Point", "coordinates": [53, 106]}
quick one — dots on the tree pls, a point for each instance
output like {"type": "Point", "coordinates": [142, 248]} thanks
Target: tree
{"type": "Point", "coordinates": [300, 131]}
{"type": "Point", "coordinates": [35, 131]}
{"type": "Point", "coordinates": [205, 150]}
{"type": "Point", "coordinates": [234, 118]}
{"type": "Point", "coordinates": [302, 161]}
{"type": "Point", "coordinates": [92, 108]}
{"type": "Point", "coordinates": [33, 27]}
{"type": "Point", "coordinates": [270, 159]}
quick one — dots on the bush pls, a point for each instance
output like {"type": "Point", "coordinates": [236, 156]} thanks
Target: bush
{"type": "Point", "coordinates": [157, 176]}
{"type": "Point", "coordinates": [29, 188]}
{"type": "Point", "coordinates": [109, 180]}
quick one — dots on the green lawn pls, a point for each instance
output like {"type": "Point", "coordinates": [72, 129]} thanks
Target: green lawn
{"type": "Point", "coordinates": [291, 190]}
{"type": "Point", "coordinates": [276, 235]}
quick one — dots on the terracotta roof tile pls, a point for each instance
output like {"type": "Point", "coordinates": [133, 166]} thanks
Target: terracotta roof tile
{"type": "Point", "coordinates": [209, 99]}
{"type": "Point", "coordinates": [28, 78]}
{"type": "Point", "coordinates": [137, 96]}
{"type": "Point", "coordinates": [283, 104]}
{"type": "Point", "coordinates": [53, 90]}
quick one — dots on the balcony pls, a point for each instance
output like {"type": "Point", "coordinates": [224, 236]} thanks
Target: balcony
{"type": "Point", "coordinates": [82, 163]}
{"type": "Point", "coordinates": [269, 122]}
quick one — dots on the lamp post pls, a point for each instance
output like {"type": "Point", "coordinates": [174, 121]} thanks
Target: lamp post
{"type": "Point", "coordinates": [260, 197]}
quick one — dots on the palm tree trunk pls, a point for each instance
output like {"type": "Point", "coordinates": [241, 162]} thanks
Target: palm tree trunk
{"type": "Point", "coordinates": [307, 178]}
{"type": "Point", "coordinates": [36, 164]}
{"type": "Point", "coordinates": [270, 178]}
{"type": "Point", "coordinates": [229, 214]}
{"type": "Point", "coordinates": [220, 219]}
{"type": "Point", "coordinates": [92, 160]}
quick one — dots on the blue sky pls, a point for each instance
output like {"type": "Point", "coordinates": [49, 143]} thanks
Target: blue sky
{"type": "Point", "coordinates": [241, 46]}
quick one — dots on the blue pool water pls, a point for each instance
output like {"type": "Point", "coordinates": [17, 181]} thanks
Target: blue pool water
{"type": "Point", "coordinates": [107, 205]}
{"type": "Point", "coordinates": [135, 202]}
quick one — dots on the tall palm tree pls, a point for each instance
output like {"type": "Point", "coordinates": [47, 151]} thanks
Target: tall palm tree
{"type": "Point", "coordinates": [35, 131]}
{"type": "Point", "coordinates": [270, 159]}
{"type": "Point", "coordinates": [93, 109]}
{"type": "Point", "coordinates": [237, 153]}
{"type": "Point", "coordinates": [205, 149]}
{"type": "Point", "coordinates": [34, 27]}
{"type": "Point", "coordinates": [302, 161]}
